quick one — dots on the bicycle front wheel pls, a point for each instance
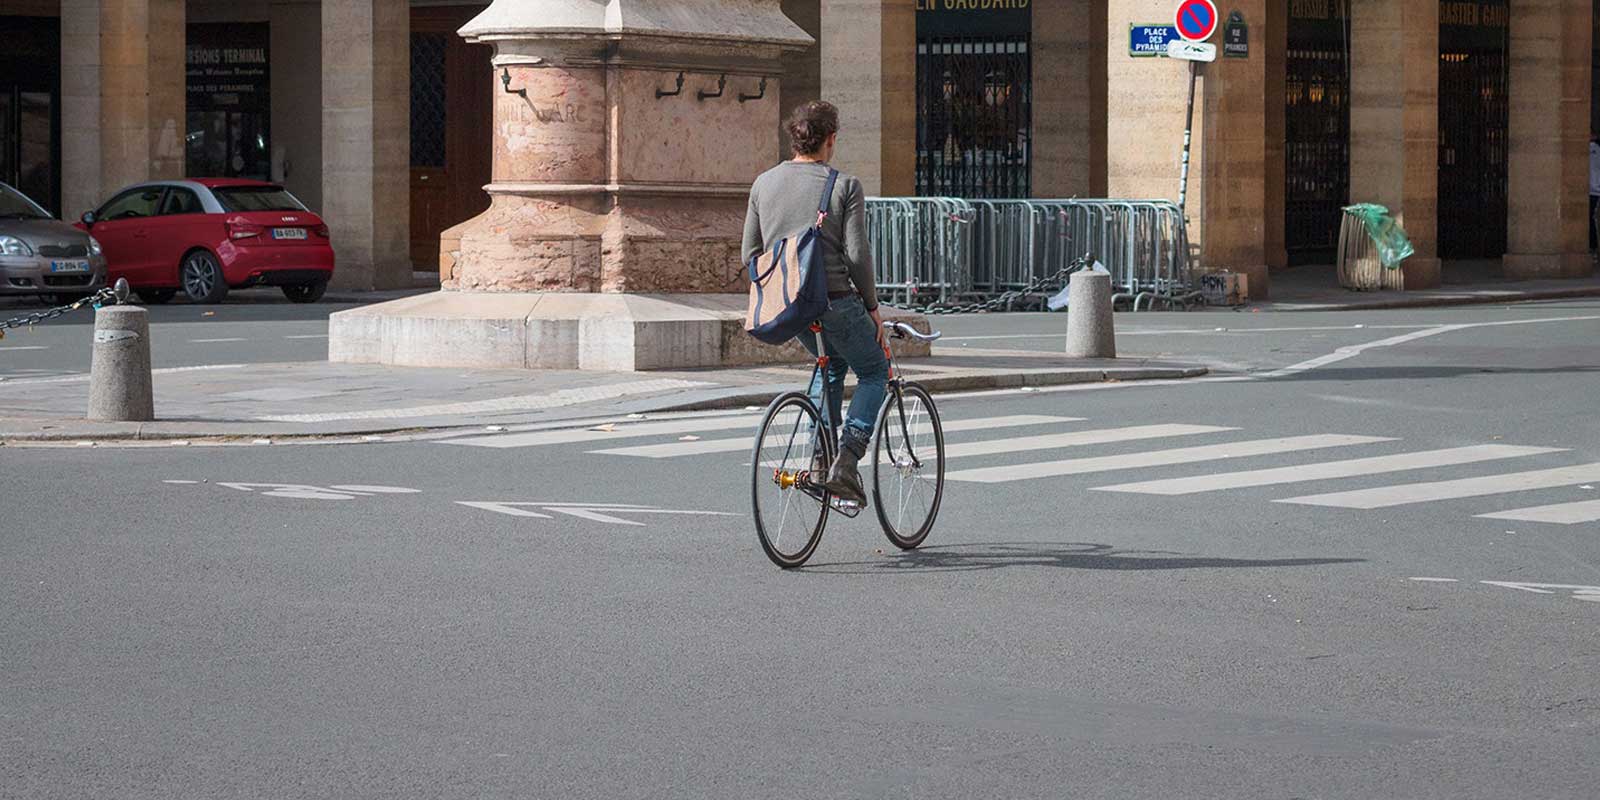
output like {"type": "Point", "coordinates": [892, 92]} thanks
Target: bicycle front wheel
{"type": "Point", "coordinates": [908, 466]}
{"type": "Point", "coordinates": [790, 506]}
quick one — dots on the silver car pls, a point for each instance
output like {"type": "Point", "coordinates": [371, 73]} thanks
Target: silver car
{"type": "Point", "coordinates": [41, 255]}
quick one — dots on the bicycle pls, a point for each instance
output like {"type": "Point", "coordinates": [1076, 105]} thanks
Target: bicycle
{"type": "Point", "coordinates": [790, 506]}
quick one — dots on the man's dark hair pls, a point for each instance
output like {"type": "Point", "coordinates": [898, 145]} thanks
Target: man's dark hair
{"type": "Point", "coordinates": [810, 126]}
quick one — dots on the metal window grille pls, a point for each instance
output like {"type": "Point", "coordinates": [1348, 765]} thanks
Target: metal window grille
{"type": "Point", "coordinates": [974, 116]}
{"type": "Point", "coordinates": [428, 101]}
{"type": "Point", "coordinates": [1474, 132]}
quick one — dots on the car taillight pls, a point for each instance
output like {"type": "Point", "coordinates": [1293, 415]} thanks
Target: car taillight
{"type": "Point", "coordinates": [322, 230]}
{"type": "Point", "coordinates": [244, 230]}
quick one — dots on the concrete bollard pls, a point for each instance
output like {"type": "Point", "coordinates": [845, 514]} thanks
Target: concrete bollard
{"type": "Point", "coordinates": [119, 374]}
{"type": "Point", "coordinates": [1089, 328]}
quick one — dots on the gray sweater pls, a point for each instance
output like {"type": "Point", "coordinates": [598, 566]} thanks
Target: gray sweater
{"type": "Point", "coordinates": [783, 202]}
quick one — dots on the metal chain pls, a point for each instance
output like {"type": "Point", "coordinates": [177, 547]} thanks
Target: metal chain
{"type": "Point", "coordinates": [1054, 282]}
{"type": "Point", "coordinates": [29, 320]}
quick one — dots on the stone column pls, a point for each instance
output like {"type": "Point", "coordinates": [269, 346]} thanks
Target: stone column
{"type": "Point", "coordinates": [1394, 121]}
{"type": "Point", "coordinates": [1227, 180]}
{"type": "Point", "coordinates": [122, 96]}
{"type": "Point", "coordinates": [1069, 99]}
{"type": "Point", "coordinates": [366, 140]}
{"type": "Point", "coordinates": [802, 69]}
{"type": "Point", "coordinates": [869, 70]}
{"type": "Point", "coordinates": [1549, 165]}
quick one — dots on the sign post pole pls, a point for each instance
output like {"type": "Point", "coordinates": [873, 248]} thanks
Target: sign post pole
{"type": "Point", "coordinates": [1188, 134]}
{"type": "Point", "coordinates": [1196, 21]}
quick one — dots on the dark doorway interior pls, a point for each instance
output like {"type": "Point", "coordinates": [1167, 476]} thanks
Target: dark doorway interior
{"type": "Point", "coordinates": [1317, 129]}
{"type": "Point", "coordinates": [228, 100]}
{"type": "Point", "coordinates": [974, 99]}
{"type": "Point", "coordinates": [452, 127]}
{"type": "Point", "coordinates": [30, 108]}
{"type": "Point", "coordinates": [1474, 128]}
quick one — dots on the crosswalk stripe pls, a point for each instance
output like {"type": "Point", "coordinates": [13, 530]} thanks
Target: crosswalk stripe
{"type": "Point", "coordinates": [1454, 489]}
{"type": "Point", "coordinates": [537, 438]}
{"type": "Point", "coordinates": [1559, 513]}
{"type": "Point", "coordinates": [1076, 439]}
{"type": "Point", "coordinates": [677, 449]}
{"type": "Point", "coordinates": [1159, 458]}
{"type": "Point", "coordinates": [1329, 470]}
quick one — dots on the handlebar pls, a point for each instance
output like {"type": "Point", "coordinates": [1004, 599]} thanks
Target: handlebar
{"type": "Point", "coordinates": [903, 331]}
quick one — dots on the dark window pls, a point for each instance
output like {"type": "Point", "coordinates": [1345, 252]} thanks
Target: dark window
{"type": "Point", "coordinates": [141, 202]}
{"type": "Point", "coordinates": [427, 99]}
{"type": "Point", "coordinates": [974, 116]}
{"type": "Point", "coordinates": [229, 117]}
{"type": "Point", "coordinates": [181, 201]}
{"type": "Point", "coordinates": [1316, 130]}
{"type": "Point", "coordinates": [257, 198]}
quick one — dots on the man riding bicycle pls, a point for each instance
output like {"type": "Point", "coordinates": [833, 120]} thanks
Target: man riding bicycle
{"type": "Point", "coordinates": [784, 200]}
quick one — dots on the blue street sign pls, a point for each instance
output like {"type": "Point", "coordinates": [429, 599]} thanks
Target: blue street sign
{"type": "Point", "coordinates": [1150, 40]}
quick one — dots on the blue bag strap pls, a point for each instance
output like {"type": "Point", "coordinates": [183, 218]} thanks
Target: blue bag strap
{"type": "Point", "coordinates": [827, 196]}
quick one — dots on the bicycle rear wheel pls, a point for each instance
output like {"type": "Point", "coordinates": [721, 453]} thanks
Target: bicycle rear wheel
{"type": "Point", "coordinates": [908, 466]}
{"type": "Point", "coordinates": [790, 508]}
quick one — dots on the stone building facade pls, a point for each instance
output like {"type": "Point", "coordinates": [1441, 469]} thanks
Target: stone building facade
{"type": "Point", "coordinates": [1471, 120]}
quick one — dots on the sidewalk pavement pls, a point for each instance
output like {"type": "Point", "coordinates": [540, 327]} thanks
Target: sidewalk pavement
{"type": "Point", "coordinates": [1316, 288]}
{"type": "Point", "coordinates": [321, 399]}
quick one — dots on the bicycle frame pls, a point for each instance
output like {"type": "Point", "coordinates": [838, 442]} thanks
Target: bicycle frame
{"type": "Point", "coordinates": [895, 386]}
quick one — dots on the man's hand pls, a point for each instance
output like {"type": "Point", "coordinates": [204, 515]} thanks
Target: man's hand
{"type": "Point", "coordinates": [877, 324]}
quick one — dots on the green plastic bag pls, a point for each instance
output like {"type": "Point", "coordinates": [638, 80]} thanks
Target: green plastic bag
{"type": "Point", "coordinates": [1393, 245]}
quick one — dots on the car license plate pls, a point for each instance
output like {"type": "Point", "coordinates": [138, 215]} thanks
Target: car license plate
{"type": "Point", "coordinates": [288, 233]}
{"type": "Point", "coordinates": [69, 266]}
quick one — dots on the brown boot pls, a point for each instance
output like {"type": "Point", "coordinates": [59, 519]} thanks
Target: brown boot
{"type": "Point", "coordinates": [844, 482]}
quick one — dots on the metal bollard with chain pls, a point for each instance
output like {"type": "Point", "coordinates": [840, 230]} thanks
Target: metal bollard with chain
{"type": "Point", "coordinates": [1052, 282]}
{"type": "Point", "coordinates": [119, 293]}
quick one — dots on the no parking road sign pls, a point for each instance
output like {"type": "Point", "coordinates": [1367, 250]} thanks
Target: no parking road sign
{"type": "Point", "coordinates": [1197, 19]}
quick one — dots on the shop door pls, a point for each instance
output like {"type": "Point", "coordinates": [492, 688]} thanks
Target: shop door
{"type": "Point", "coordinates": [1474, 128]}
{"type": "Point", "coordinates": [30, 110]}
{"type": "Point", "coordinates": [452, 119]}
{"type": "Point", "coordinates": [1317, 129]}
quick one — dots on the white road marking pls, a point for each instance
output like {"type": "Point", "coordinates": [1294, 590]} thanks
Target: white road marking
{"type": "Point", "coordinates": [1436, 580]}
{"type": "Point", "coordinates": [1329, 470]}
{"type": "Point", "coordinates": [376, 489]}
{"type": "Point", "coordinates": [1586, 593]}
{"type": "Point", "coordinates": [308, 336]}
{"type": "Point", "coordinates": [1407, 494]}
{"type": "Point", "coordinates": [1077, 439]}
{"type": "Point", "coordinates": [745, 443]}
{"type": "Point", "coordinates": [588, 434]}
{"type": "Point", "coordinates": [304, 492]}
{"type": "Point", "coordinates": [25, 347]}
{"type": "Point", "coordinates": [594, 512]}
{"type": "Point", "coordinates": [213, 341]}
{"type": "Point", "coordinates": [1187, 331]}
{"type": "Point", "coordinates": [513, 404]}
{"type": "Point", "coordinates": [1159, 458]}
{"type": "Point", "coordinates": [1558, 513]}
{"type": "Point", "coordinates": [183, 483]}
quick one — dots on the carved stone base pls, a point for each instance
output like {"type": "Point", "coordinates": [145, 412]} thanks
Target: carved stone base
{"type": "Point", "coordinates": [563, 330]}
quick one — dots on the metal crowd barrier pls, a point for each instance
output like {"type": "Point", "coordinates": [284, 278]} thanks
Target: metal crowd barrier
{"type": "Point", "coordinates": [948, 250]}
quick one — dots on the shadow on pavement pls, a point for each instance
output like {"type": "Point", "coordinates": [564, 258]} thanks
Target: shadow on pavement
{"type": "Point", "coordinates": [1066, 555]}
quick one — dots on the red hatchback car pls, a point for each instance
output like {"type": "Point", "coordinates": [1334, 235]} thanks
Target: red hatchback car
{"type": "Point", "coordinates": [205, 236]}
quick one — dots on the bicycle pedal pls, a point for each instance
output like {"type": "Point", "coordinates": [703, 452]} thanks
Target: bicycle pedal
{"type": "Point", "coordinates": [848, 508]}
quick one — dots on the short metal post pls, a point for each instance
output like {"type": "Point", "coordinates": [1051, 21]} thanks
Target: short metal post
{"type": "Point", "coordinates": [119, 373]}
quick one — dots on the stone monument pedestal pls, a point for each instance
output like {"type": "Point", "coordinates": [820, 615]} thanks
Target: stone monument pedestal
{"type": "Point", "coordinates": [626, 135]}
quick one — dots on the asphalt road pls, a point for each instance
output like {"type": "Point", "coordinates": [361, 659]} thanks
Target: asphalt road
{"type": "Point", "coordinates": [167, 635]}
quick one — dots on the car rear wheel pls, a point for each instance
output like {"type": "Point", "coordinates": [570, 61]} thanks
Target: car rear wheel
{"type": "Point", "coordinates": [157, 297]}
{"type": "Point", "coordinates": [305, 292]}
{"type": "Point", "coordinates": [202, 278]}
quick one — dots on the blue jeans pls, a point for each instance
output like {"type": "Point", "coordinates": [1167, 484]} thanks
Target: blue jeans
{"type": "Point", "coordinates": [852, 341]}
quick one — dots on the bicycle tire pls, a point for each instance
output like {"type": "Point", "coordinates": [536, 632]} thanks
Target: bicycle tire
{"type": "Point", "coordinates": [783, 425]}
{"type": "Point", "coordinates": [900, 458]}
